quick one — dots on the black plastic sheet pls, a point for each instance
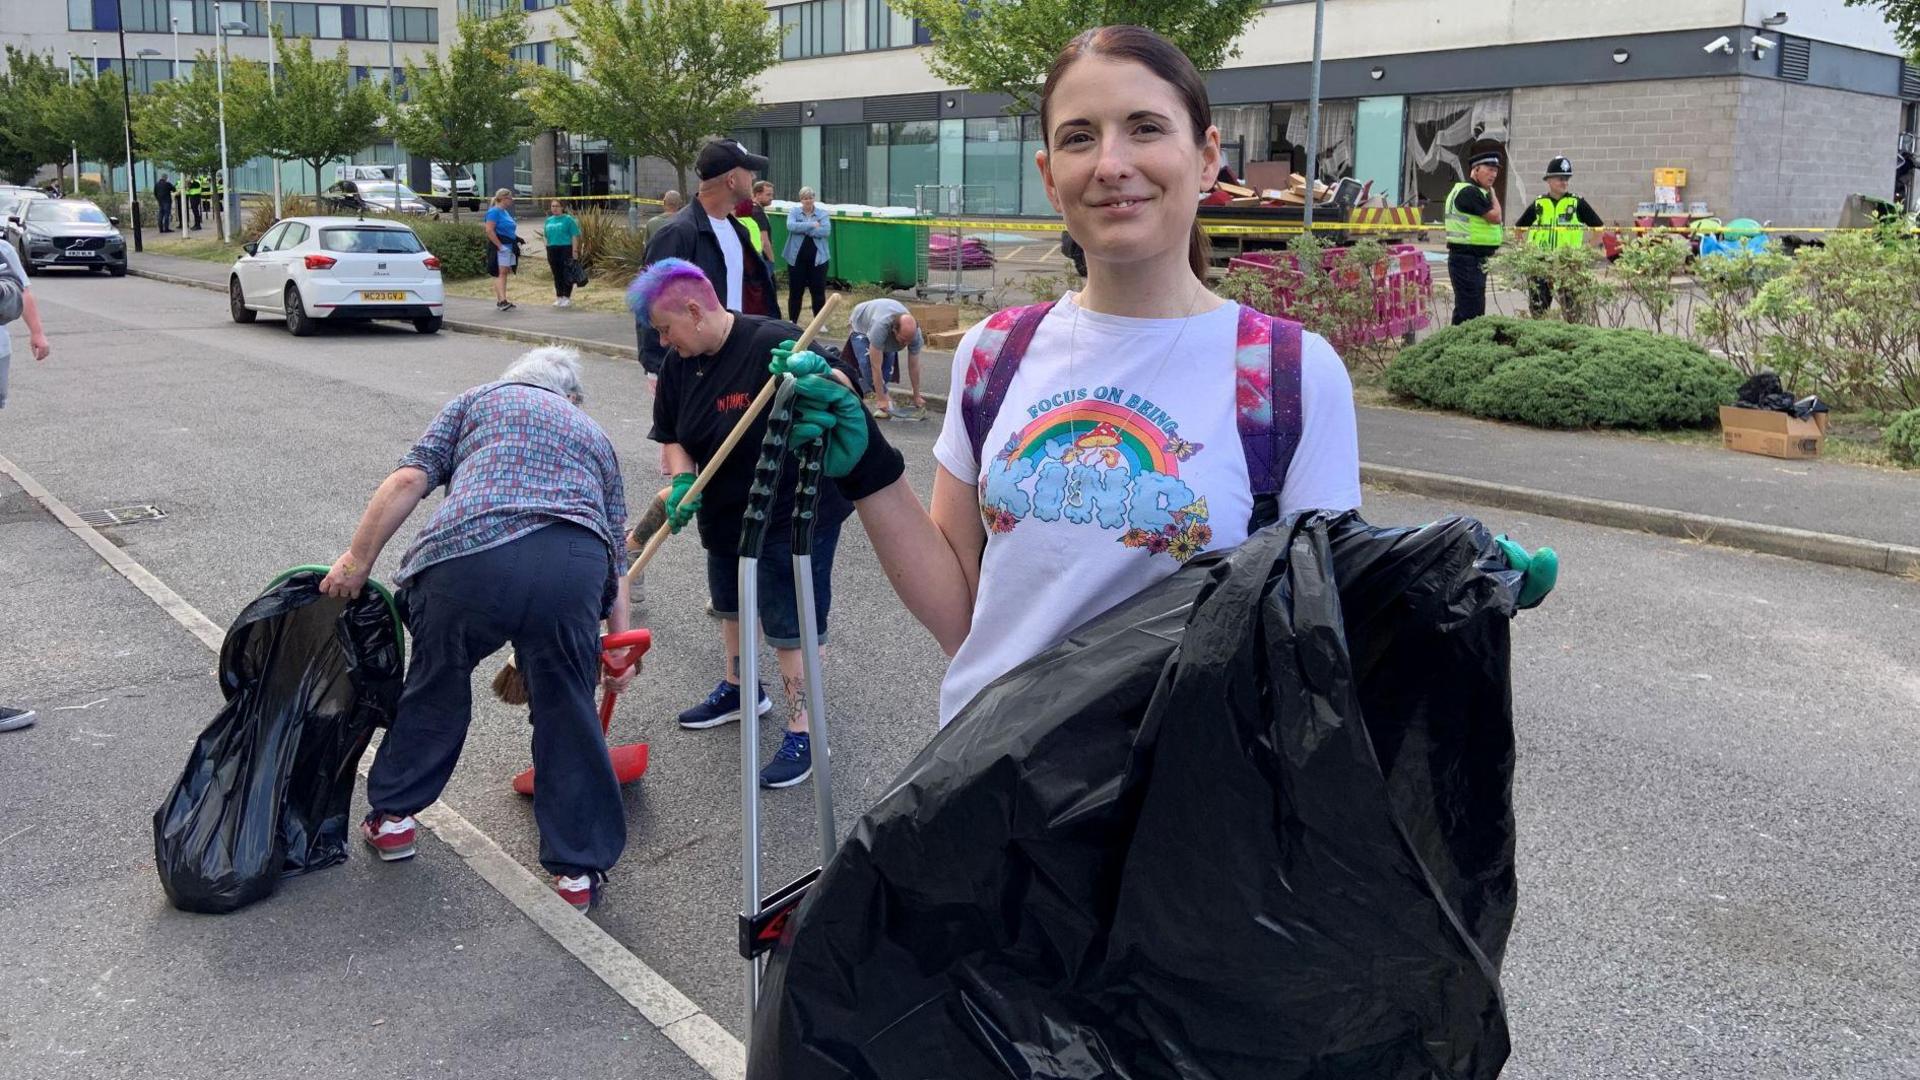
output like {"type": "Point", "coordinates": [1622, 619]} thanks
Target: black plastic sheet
{"type": "Point", "coordinates": [268, 786]}
{"type": "Point", "coordinates": [1253, 823]}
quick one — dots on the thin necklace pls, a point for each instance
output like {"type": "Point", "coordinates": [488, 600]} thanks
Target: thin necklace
{"type": "Point", "coordinates": [1073, 331]}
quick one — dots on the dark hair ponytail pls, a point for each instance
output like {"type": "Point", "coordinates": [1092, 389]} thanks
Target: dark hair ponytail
{"type": "Point", "coordinates": [1160, 56]}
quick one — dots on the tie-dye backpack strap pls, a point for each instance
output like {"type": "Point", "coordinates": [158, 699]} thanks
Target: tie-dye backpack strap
{"type": "Point", "coordinates": [997, 353]}
{"type": "Point", "coordinates": [1266, 365]}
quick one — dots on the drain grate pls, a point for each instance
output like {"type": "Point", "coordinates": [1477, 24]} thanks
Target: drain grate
{"type": "Point", "coordinates": [122, 515]}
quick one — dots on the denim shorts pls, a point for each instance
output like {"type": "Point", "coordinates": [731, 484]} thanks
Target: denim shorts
{"type": "Point", "coordinates": [858, 345]}
{"type": "Point", "coordinates": [779, 604]}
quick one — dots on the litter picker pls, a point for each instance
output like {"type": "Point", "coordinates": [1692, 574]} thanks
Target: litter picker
{"type": "Point", "coordinates": [762, 921]}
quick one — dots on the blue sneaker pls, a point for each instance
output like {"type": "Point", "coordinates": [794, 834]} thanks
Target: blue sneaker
{"type": "Point", "coordinates": [792, 764]}
{"type": "Point", "coordinates": [721, 707]}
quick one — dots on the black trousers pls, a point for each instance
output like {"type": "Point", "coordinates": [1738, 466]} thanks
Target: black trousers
{"type": "Point", "coordinates": [166, 215]}
{"type": "Point", "coordinates": [812, 279]}
{"type": "Point", "coordinates": [198, 206]}
{"type": "Point", "coordinates": [560, 261]}
{"type": "Point", "coordinates": [1539, 296]}
{"type": "Point", "coordinates": [541, 592]}
{"type": "Point", "coordinates": [1468, 273]}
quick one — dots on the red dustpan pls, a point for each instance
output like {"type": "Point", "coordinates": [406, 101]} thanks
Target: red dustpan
{"type": "Point", "coordinates": [629, 759]}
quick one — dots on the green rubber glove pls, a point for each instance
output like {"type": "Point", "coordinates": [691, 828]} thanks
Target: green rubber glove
{"type": "Point", "coordinates": [1540, 570]}
{"type": "Point", "coordinates": [788, 362]}
{"type": "Point", "coordinates": [824, 408]}
{"type": "Point", "coordinates": [680, 508]}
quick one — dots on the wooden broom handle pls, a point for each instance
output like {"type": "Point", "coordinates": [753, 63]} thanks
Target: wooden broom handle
{"type": "Point", "coordinates": [733, 438]}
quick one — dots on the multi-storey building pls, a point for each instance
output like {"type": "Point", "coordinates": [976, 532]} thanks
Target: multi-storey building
{"type": "Point", "coordinates": [1776, 108]}
{"type": "Point", "coordinates": [165, 36]}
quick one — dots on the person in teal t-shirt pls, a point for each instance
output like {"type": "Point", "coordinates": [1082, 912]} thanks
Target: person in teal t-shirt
{"type": "Point", "coordinates": [562, 229]}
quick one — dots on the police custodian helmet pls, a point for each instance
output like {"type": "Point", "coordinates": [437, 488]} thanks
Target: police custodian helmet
{"type": "Point", "coordinates": [1559, 167]}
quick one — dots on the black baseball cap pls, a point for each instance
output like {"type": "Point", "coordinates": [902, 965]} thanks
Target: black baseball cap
{"type": "Point", "coordinates": [722, 156]}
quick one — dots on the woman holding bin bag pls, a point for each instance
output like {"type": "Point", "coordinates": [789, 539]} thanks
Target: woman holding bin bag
{"type": "Point", "coordinates": [1095, 445]}
{"type": "Point", "coordinates": [806, 253]}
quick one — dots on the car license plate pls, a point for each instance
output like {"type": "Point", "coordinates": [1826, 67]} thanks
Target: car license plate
{"type": "Point", "coordinates": [373, 297]}
{"type": "Point", "coordinates": [79, 254]}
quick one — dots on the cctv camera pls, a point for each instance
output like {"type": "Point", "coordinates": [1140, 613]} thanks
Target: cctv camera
{"type": "Point", "coordinates": [1721, 44]}
{"type": "Point", "coordinates": [1761, 44]}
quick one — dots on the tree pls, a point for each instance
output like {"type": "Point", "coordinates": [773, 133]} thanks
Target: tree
{"type": "Point", "coordinates": [92, 117]}
{"type": "Point", "coordinates": [317, 114]}
{"type": "Point", "coordinates": [1006, 46]}
{"type": "Point", "coordinates": [474, 104]}
{"type": "Point", "coordinates": [29, 134]}
{"type": "Point", "coordinates": [180, 123]}
{"type": "Point", "coordinates": [1904, 17]}
{"type": "Point", "coordinates": [659, 76]}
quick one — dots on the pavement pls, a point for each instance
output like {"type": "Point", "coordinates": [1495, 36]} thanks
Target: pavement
{"type": "Point", "coordinates": [1811, 496]}
{"type": "Point", "coordinates": [1715, 791]}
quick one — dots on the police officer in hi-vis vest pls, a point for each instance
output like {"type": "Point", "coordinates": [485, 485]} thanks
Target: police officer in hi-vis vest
{"type": "Point", "coordinates": [1473, 234]}
{"type": "Point", "coordinates": [1556, 219]}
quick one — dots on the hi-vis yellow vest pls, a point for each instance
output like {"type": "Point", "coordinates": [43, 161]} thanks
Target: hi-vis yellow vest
{"type": "Point", "coordinates": [1465, 228]}
{"type": "Point", "coordinates": [753, 231]}
{"type": "Point", "coordinates": [1554, 222]}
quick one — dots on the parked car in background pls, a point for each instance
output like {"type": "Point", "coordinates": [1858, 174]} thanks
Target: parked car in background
{"type": "Point", "coordinates": [11, 198]}
{"type": "Point", "coordinates": [339, 269]}
{"type": "Point", "coordinates": [444, 190]}
{"type": "Point", "coordinates": [373, 197]}
{"type": "Point", "coordinates": [363, 172]}
{"type": "Point", "coordinates": [70, 232]}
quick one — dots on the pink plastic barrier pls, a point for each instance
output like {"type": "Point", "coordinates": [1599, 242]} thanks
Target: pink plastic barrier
{"type": "Point", "coordinates": [1402, 287]}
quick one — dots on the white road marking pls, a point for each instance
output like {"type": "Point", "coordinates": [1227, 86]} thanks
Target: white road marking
{"type": "Point", "coordinates": [705, 1042]}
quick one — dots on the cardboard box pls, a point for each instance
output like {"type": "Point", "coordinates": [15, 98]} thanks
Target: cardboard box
{"type": "Point", "coordinates": [1774, 434]}
{"type": "Point", "coordinates": [933, 318]}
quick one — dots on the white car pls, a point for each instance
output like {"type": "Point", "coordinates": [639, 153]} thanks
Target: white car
{"type": "Point", "coordinates": [339, 269]}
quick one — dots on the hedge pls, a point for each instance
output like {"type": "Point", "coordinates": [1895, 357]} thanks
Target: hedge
{"type": "Point", "coordinates": [1564, 375]}
{"type": "Point", "coordinates": [1903, 438]}
{"type": "Point", "coordinates": [461, 248]}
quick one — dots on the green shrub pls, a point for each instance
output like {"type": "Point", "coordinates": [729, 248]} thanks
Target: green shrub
{"type": "Point", "coordinates": [1902, 438]}
{"type": "Point", "coordinates": [461, 248]}
{"type": "Point", "coordinates": [1564, 375]}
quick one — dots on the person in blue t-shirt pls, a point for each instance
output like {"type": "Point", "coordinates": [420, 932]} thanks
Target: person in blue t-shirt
{"type": "Point", "coordinates": [503, 234]}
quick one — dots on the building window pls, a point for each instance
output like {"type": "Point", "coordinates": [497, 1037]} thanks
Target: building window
{"type": "Point", "coordinates": [991, 160]}
{"type": "Point", "coordinates": [1441, 132]}
{"type": "Point", "coordinates": [1289, 138]}
{"type": "Point", "coordinates": [832, 27]}
{"type": "Point", "coordinates": [913, 159]}
{"type": "Point", "coordinates": [843, 163]}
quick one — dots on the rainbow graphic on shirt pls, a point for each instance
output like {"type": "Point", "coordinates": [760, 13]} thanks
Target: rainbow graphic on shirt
{"type": "Point", "coordinates": [1102, 458]}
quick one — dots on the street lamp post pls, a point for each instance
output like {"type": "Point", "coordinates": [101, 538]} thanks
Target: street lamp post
{"type": "Point", "coordinates": [74, 146]}
{"type": "Point", "coordinates": [1313, 116]}
{"type": "Point", "coordinates": [126, 130]}
{"type": "Point", "coordinates": [220, 92]}
{"type": "Point", "coordinates": [180, 190]}
{"type": "Point", "coordinates": [273, 46]}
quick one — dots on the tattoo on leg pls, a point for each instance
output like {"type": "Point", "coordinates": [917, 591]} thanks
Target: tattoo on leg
{"type": "Point", "coordinates": [796, 686]}
{"type": "Point", "coordinates": [733, 668]}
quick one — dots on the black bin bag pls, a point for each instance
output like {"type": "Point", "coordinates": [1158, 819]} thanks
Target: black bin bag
{"type": "Point", "coordinates": [1252, 823]}
{"type": "Point", "coordinates": [268, 787]}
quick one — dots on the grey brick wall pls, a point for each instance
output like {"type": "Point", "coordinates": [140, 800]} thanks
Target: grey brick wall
{"type": "Point", "coordinates": [1800, 150]}
{"type": "Point", "coordinates": [1618, 133]}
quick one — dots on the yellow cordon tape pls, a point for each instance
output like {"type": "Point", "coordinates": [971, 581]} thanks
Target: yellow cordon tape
{"type": "Point", "coordinates": [1216, 228]}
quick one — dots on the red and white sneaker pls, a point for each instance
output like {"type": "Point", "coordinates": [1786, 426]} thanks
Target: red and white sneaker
{"type": "Point", "coordinates": [391, 838]}
{"type": "Point", "coordinates": [582, 892]}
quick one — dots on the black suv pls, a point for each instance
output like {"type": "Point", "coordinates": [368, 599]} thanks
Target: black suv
{"type": "Point", "coordinates": [70, 232]}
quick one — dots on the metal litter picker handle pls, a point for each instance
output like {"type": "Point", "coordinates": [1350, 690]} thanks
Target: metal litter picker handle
{"type": "Point", "coordinates": [753, 534]}
{"type": "Point", "coordinates": [806, 506]}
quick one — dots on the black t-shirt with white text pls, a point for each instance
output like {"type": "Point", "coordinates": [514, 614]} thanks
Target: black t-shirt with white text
{"type": "Point", "coordinates": [701, 398]}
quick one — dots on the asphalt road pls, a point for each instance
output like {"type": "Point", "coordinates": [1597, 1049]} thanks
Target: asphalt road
{"type": "Point", "coordinates": [1718, 750]}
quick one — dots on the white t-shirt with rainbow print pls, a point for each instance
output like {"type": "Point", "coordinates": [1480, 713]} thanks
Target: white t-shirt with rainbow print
{"type": "Point", "coordinates": [1108, 470]}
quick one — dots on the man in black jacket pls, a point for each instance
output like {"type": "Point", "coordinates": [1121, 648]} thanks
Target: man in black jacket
{"type": "Point", "coordinates": [163, 195]}
{"type": "Point", "coordinates": [706, 235]}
